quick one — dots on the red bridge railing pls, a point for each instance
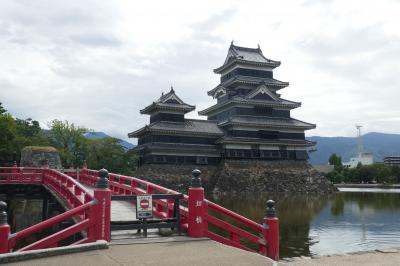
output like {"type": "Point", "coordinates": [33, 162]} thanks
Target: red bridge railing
{"type": "Point", "coordinates": [197, 213]}
{"type": "Point", "coordinates": [81, 206]}
{"type": "Point", "coordinates": [92, 212]}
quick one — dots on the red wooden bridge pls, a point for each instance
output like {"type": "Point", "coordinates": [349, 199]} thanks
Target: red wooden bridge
{"type": "Point", "coordinates": [88, 196]}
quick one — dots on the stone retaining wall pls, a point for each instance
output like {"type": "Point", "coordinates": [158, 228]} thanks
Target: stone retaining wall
{"type": "Point", "coordinates": [271, 176]}
{"type": "Point", "coordinates": [176, 177]}
{"type": "Point", "coordinates": [241, 176]}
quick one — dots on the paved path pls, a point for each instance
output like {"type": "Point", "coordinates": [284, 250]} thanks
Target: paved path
{"type": "Point", "coordinates": [120, 210]}
{"type": "Point", "coordinates": [390, 257]}
{"type": "Point", "coordinates": [191, 253]}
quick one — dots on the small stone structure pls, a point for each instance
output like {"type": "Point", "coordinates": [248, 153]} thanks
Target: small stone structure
{"type": "Point", "coordinates": [242, 176]}
{"type": "Point", "coordinates": [37, 156]}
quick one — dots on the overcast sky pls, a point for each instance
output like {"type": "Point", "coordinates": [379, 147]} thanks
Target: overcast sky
{"type": "Point", "coordinates": [97, 63]}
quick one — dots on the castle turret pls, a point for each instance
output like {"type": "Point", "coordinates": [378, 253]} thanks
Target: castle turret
{"type": "Point", "coordinates": [170, 138]}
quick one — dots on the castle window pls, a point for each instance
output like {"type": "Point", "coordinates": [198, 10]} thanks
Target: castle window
{"type": "Point", "coordinates": [262, 134]}
{"type": "Point", "coordinates": [201, 160]}
{"type": "Point", "coordinates": [160, 159]}
{"type": "Point", "coordinates": [263, 110]}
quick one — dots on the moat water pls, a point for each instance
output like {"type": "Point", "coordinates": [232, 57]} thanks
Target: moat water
{"type": "Point", "coordinates": [317, 225]}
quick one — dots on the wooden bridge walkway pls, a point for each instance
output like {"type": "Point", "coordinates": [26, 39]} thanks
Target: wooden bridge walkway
{"type": "Point", "coordinates": [120, 210]}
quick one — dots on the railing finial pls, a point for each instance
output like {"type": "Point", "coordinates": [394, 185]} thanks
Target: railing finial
{"type": "Point", "coordinates": [84, 165]}
{"type": "Point", "coordinates": [271, 212]}
{"type": "Point", "coordinates": [102, 182]}
{"type": "Point", "coordinates": [195, 181]}
{"type": "Point", "coordinates": [3, 213]}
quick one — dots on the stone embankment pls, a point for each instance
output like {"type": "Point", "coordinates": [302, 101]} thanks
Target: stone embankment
{"type": "Point", "coordinates": [271, 176]}
{"type": "Point", "coordinates": [37, 156]}
{"type": "Point", "coordinates": [176, 177]}
{"type": "Point", "coordinates": [242, 176]}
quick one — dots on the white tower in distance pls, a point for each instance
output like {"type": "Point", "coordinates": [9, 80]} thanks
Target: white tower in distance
{"type": "Point", "coordinates": [360, 148]}
{"type": "Point", "coordinates": [362, 157]}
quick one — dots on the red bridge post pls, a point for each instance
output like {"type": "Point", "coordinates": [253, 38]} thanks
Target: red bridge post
{"type": "Point", "coordinates": [102, 210]}
{"type": "Point", "coordinates": [15, 167]}
{"type": "Point", "coordinates": [196, 223]}
{"type": "Point", "coordinates": [271, 231]}
{"type": "Point", "coordinates": [4, 228]}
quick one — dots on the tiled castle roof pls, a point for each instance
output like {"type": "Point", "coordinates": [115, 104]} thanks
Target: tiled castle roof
{"type": "Point", "coordinates": [246, 55]}
{"type": "Point", "coordinates": [168, 101]}
{"type": "Point", "coordinates": [266, 121]}
{"type": "Point", "coordinates": [192, 126]}
{"type": "Point", "coordinates": [244, 101]}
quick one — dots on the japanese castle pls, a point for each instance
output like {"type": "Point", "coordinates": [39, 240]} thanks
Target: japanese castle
{"type": "Point", "coordinates": [250, 120]}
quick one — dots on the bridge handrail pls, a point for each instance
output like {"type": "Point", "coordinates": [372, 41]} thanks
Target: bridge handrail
{"type": "Point", "coordinates": [20, 169]}
{"type": "Point", "coordinates": [76, 188]}
{"type": "Point", "coordinates": [233, 215]}
{"type": "Point", "coordinates": [235, 233]}
{"type": "Point", "coordinates": [237, 217]}
{"type": "Point", "coordinates": [82, 206]}
{"type": "Point", "coordinates": [47, 223]}
{"type": "Point", "coordinates": [20, 175]}
{"type": "Point", "coordinates": [125, 185]}
{"type": "Point", "coordinates": [135, 179]}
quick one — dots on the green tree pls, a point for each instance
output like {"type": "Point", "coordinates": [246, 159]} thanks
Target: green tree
{"type": "Point", "coordinates": [395, 172]}
{"type": "Point", "coordinates": [7, 139]}
{"type": "Point", "coordinates": [108, 153]}
{"type": "Point", "coordinates": [29, 133]}
{"type": "Point", "coordinates": [335, 160]}
{"type": "Point", "coordinates": [130, 162]}
{"type": "Point", "coordinates": [15, 134]}
{"type": "Point", "coordinates": [2, 110]}
{"type": "Point", "coordinates": [69, 141]}
{"type": "Point", "coordinates": [104, 153]}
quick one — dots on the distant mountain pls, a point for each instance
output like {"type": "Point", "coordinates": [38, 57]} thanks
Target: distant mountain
{"type": "Point", "coordinates": [102, 135]}
{"type": "Point", "coordinates": [380, 144]}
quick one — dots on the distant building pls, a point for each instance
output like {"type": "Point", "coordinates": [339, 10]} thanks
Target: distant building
{"type": "Point", "coordinates": [392, 160]}
{"type": "Point", "coordinates": [365, 158]}
{"type": "Point", "coordinates": [249, 121]}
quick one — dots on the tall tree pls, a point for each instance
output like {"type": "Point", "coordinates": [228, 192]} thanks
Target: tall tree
{"type": "Point", "coordinates": [8, 150]}
{"type": "Point", "coordinates": [105, 153]}
{"type": "Point", "coordinates": [335, 160]}
{"type": "Point", "coordinates": [2, 110]}
{"type": "Point", "coordinates": [69, 141]}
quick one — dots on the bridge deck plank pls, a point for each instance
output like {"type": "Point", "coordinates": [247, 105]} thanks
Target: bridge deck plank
{"type": "Point", "coordinates": [120, 210]}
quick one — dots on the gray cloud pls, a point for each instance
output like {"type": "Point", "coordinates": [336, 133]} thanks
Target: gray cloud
{"type": "Point", "coordinates": [96, 40]}
{"type": "Point", "coordinates": [93, 64]}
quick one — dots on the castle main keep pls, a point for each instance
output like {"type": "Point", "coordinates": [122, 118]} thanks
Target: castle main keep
{"type": "Point", "coordinates": [249, 121]}
{"type": "Point", "coordinates": [249, 141]}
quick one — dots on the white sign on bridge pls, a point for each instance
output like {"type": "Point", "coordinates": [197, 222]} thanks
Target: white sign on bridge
{"type": "Point", "coordinates": [144, 206]}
